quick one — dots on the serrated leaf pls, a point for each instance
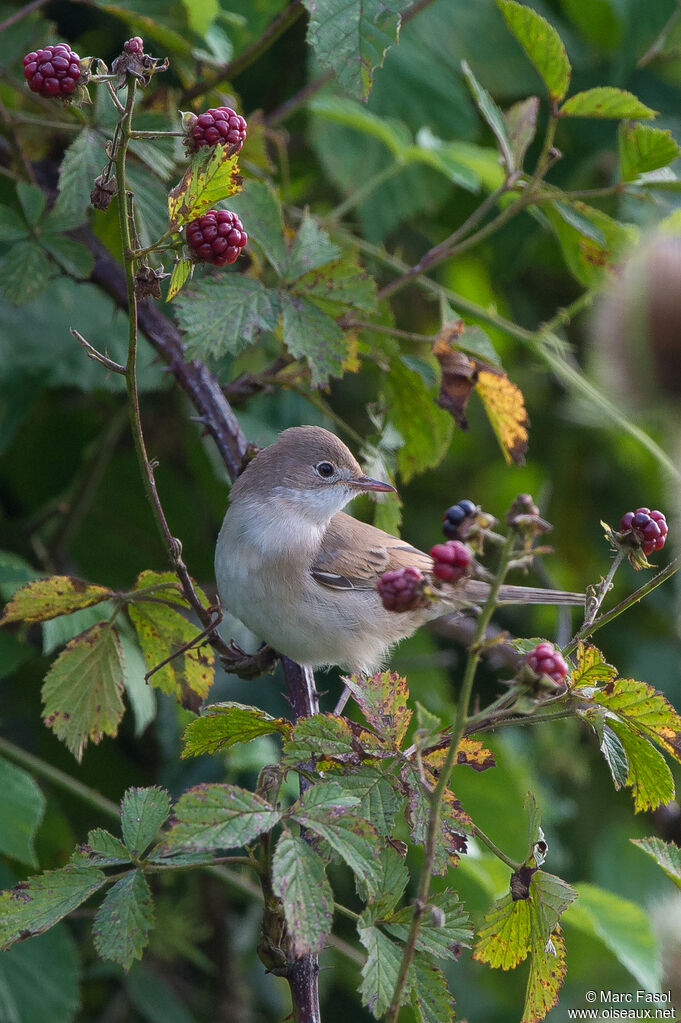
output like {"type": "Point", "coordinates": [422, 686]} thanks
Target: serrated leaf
{"type": "Point", "coordinates": [23, 807]}
{"type": "Point", "coordinates": [505, 407]}
{"type": "Point", "coordinates": [392, 879]}
{"type": "Point", "coordinates": [310, 334]}
{"type": "Point", "coordinates": [13, 227]}
{"type": "Point", "coordinates": [161, 632]}
{"type": "Point", "coordinates": [547, 973]}
{"type": "Point", "coordinates": [24, 272]}
{"type": "Point", "coordinates": [351, 38]}
{"type": "Point", "coordinates": [32, 201]}
{"type": "Point", "coordinates": [102, 849]}
{"type": "Point", "coordinates": [605, 101]}
{"type": "Point", "coordinates": [217, 816]}
{"type": "Point", "coordinates": [380, 971]}
{"type": "Point", "coordinates": [259, 210]}
{"type": "Point", "coordinates": [521, 125]}
{"type": "Point", "coordinates": [71, 255]}
{"type": "Point", "coordinates": [425, 428]}
{"type": "Point", "coordinates": [211, 177]}
{"type": "Point", "coordinates": [541, 43]}
{"type": "Point", "coordinates": [42, 599]}
{"type": "Point", "coordinates": [33, 906]}
{"type": "Point", "coordinates": [643, 148]}
{"type": "Point", "coordinates": [493, 115]}
{"type": "Point", "coordinates": [591, 667]}
{"type": "Point", "coordinates": [646, 709]}
{"type": "Point", "coordinates": [587, 260]}
{"type": "Point", "coordinates": [143, 812]}
{"type": "Point", "coordinates": [311, 249]}
{"type": "Point", "coordinates": [82, 692]}
{"type": "Point", "coordinates": [504, 937]}
{"type": "Point", "coordinates": [378, 799]}
{"type": "Point", "coordinates": [430, 997]}
{"type": "Point", "coordinates": [225, 315]}
{"type": "Point", "coordinates": [615, 757]}
{"type": "Point", "coordinates": [355, 840]}
{"type": "Point", "coordinates": [299, 880]}
{"type": "Point", "coordinates": [324, 797]}
{"type": "Point", "coordinates": [320, 735]}
{"type": "Point", "coordinates": [339, 287]}
{"type": "Point", "coordinates": [667, 855]}
{"type": "Point", "coordinates": [82, 162]}
{"type": "Point", "coordinates": [124, 919]}
{"type": "Point", "coordinates": [382, 698]}
{"type": "Point", "coordinates": [441, 937]}
{"type": "Point", "coordinates": [182, 271]}
{"type": "Point", "coordinates": [222, 725]}
{"type": "Point", "coordinates": [648, 775]}
{"type": "Point", "coordinates": [552, 896]}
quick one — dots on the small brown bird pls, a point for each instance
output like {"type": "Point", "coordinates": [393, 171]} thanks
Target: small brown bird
{"type": "Point", "coordinates": [301, 574]}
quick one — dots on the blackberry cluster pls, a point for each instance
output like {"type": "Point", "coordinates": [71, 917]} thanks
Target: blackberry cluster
{"type": "Point", "coordinates": [451, 561]}
{"type": "Point", "coordinates": [546, 660]}
{"type": "Point", "coordinates": [217, 237]}
{"type": "Point", "coordinates": [52, 71]}
{"type": "Point", "coordinates": [648, 528]}
{"type": "Point", "coordinates": [221, 124]}
{"type": "Point", "coordinates": [401, 589]}
{"type": "Point", "coordinates": [455, 516]}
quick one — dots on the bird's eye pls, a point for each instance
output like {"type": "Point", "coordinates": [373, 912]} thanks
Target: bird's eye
{"type": "Point", "coordinates": [325, 469]}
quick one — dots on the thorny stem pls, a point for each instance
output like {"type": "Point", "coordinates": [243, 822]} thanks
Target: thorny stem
{"type": "Point", "coordinates": [594, 602]}
{"type": "Point", "coordinates": [457, 732]}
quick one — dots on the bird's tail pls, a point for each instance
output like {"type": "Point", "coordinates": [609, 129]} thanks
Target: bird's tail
{"type": "Point", "coordinates": [477, 592]}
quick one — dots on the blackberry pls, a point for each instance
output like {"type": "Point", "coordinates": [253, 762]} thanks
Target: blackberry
{"type": "Point", "coordinates": [217, 237]}
{"type": "Point", "coordinates": [546, 660]}
{"type": "Point", "coordinates": [451, 561]}
{"type": "Point", "coordinates": [52, 71]}
{"type": "Point", "coordinates": [402, 589]}
{"type": "Point", "coordinates": [219, 124]}
{"type": "Point", "coordinates": [645, 528]}
{"type": "Point", "coordinates": [454, 517]}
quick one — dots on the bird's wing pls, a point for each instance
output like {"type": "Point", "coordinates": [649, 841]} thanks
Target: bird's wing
{"type": "Point", "coordinates": [354, 554]}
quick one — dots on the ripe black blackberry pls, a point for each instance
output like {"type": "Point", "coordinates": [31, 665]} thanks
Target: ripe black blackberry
{"type": "Point", "coordinates": [455, 516]}
{"type": "Point", "coordinates": [217, 237]}
{"type": "Point", "coordinates": [53, 71]}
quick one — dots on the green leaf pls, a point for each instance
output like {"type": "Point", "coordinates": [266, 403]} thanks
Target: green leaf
{"type": "Point", "coordinates": [541, 43]}
{"type": "Point", "coordinates": [217, 816]}
{"type": "Point", "coordinates": [71, 255]}
{"type": "Point", "coordinates": [81, 164]}
{"type": "Point", "coordinates": [34, 906]}
{"type": "Point", "coordinates": [643, 148]}
{"type": "Point", "coordinates": [666, 854]}
{"type": "Point", "coordinates": [42, 599]}
{"type": "Point", "coordinates": [521, 126]}
{"type": "Point", "coordinates": [312, 335]}
{"type": "Point", "coordinates": [648, 775]}
{"type": "Point", "coordinates": [320, 736]}
{"type": "Point", "coordinates": [430, 996]}
{"type": "Point", "coordinates": [201, 14]}
{"type": "Point", "coordinates": [299, 880]}
{"type": "Point", "coordinates": [640, 706]}
{"type": "Point", "coordinates": [473, 340]}
{"type": "Point", "coordinates": [102, 849]}
{"type": "Point", "coordinates": [393, 877]}
{"type": "Point", "coordinates": [161, 632]}
{"type": "Point", "coordinates": [351, 38]}
{"type": "Point", "coordinates": [259, 210]}
{"type": "Point", "coordinates": [467, 165]}
{"type": "Point", "coordinates": [445, 926]}
{"type": "Point", "coordinates": [124, 919]}
{"type": "Point", "coordinates": [23, 807]}
{"type": "Point", "coordinates": [225, 315]}
{"type": "Point", "coordinates": [493, 115]}
{"type": "Point", "coordinates": [12, 225]}
{"type": "Point", "coordinates": [393, 134]}
{"type": "Point", "coordinates": [623, 927]}
{"type": "Point", "coordinates": [339, 287]}
{"type": "Point", "coordinates": [143, 812]}
{"type": "Point", "coordinates": [30, 970]}
{"type": "Point", "coordinates": [547, 973]}
{"type": "Point", "coordinates": [382, 698]}
{"type": "Point", "coordinates": [615, 757]}
{"type": "Point", "coordinates": [591, 667]}
{"type": "Point", "coordinates": [589, 261]}
{"type": "Point", "coordinates": [378, 800]}
{"type": "Point", "coordinates": [222, 725]}
{"type": "Point", "coordinates": [311, 249]}
{"type": "Point", "coordinates": [381, 969]}
{"type": "Point", "coordinates": [82, 692]}
{"type": "Point", "coordinates": [604, 101]}
{"type": "Point", "coordinates": [24, 272]}
{"type": "Point", "coordinates": [581, 223]}
{"type": "Point", "coordinates": [424, 427]}
{"type": "Point", "coordinates": [355, 840]}
{"type": "Point", "coordinates": [182, 271]}
{"type": "Point", "coordinates": [211, 176]}
{"type": "Point", "coordinates": [32, 201]}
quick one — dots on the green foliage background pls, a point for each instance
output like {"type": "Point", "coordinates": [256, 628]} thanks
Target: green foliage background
{"type": "Point", "coordinates": [71, 499]}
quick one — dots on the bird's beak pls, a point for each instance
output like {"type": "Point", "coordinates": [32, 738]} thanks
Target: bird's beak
{"type": "Point", "coordinates": [366, 483]}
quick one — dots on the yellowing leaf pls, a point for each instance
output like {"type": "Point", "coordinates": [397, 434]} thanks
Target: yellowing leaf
{"type": "Point", "coordinates": [505, 408]}
{"type": "Point", "coordinates": [639, 705]}
{"type": "Point", "coordinates": [469, 751]}
{"type": "Point", "coordinates": [82, 692]}
{"type": "Point", "coordinates": [591, 666]}
{"type": "Point", "coordinates": [162, 631]}
{"type": "Point", "coordinates": [179, 277]}
{"type": "Point", "coordinates": [648, 773]}
{"type": "Point", "coordinates": [504, 938]}
{"type": "Point", "coordinates": [43, 599]}
{"type": "Point", "coordinates": [382, 699]}
{"type": "Point", "coordinates": [210, 177]}
{"type": "Point", "coordinates": [547, 973]}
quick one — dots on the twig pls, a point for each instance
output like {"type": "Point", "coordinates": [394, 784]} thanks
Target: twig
{"type": "Point", "coordinates": [96, 356]}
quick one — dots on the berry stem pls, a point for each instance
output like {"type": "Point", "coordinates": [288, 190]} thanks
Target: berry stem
{"type": "Point", "coordinates": [472, 661]}
{"type": "Point", "coordinates": [139, 253]}
{"type": "Point", "coordinates": [156, 134]}
{"type": "Point", "coordinates": [594, 602]}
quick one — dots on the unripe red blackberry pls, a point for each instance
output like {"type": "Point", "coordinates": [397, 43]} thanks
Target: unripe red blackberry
{"type": "Point", "coordinates": [52, 71]}
{"type": "Point", "coordinates": [645, 528]}
{"type": "Point", "coordinates": [451, 560]}
{"type": "Point", "coordinates": [217, 237]}
{"type": "Point", "coordinates": [219, 124]}
{"type": "Point", "coordinates": [455, 516]}
{"type": "Point", "coordinates": [134, 45]}
{"type": "Point", "coordinates": [546, 660]}
{"type": "Point", "coordinates": [402, 589]}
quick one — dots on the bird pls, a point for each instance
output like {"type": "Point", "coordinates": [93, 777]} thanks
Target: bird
{"type": "Point", "coordinates": [302, 574]}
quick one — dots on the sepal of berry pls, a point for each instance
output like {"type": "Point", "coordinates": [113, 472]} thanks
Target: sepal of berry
{"type": "Point", "coordinates": [523, 517]}
{"type": "Point", "coordinates": [148, 281]}
{"type": "Point", "coordinates": [402, 589]}
{"type": "Point", "coordinates": [451, 561]}
{"type": "Point", "coordinates": [104, 191]}
{"type": "Point", "coordinates": [217, 237]}
{"type": "Point", "coordinates": [134, 61]}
